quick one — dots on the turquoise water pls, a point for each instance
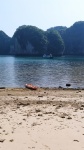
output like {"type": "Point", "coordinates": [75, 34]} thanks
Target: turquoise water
{"type": "Point", "coordinates": [17, 71]}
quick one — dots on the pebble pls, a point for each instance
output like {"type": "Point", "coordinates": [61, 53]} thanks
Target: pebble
{"type": "Point", "coordinates": [2, 140]}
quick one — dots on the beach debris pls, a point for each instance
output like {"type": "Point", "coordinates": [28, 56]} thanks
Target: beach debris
{"type": "Point", "coordinates": [63, 115]}
{"type": "Point", "coordinates": [75, 140]}
{"type": "Point", "coordinates": [2, 140]}
{"type": "Point", "coordinates": [9, 94]}
{"type": "Point", "coordinates": [2, 112]}
{"type": "Point", "coordinates": [39, 102]}
{"type": "Point", "coordinates": [3, 130]}
{"type": "Point", "coordinates": [2, 87]}
{"type": "Point", "coordinates": [40, 114]}
{"type": "Point", "coordinates": [18, 106]}
{"type": "Point", "coordinates": [40, 95]}
{"type": "Point", "coordinates": [19, 123]}
{"type": "Point", "coordinates": [69, 117]}
{"type": "Point", "coordinates": [11, 140]}
{"type": "Point", "coordinates": [37, 110]}
{"type": "Point", "coordinates": [28, 114]}
{"type": "Point", "coordinates": [6, 133]}
{"type": "Point", "coordinates": [23, 103]}
{"type": "Point", "coordinates": [49, 112]}
{"type": "Point", "coordinates": [82, 105]}
{"type": "Point", "coordinates": [58, 106]}
{"type": "Point", "coordinates": [34, 123]}
{"type": "Point", "coordinates": [81, 108]}
{"type": "Point", "coordinates": [68, 84]}
{"type": "Point", "coordinates": [24, 119]}
{"type": "Point", "coordinates": [60, 87]}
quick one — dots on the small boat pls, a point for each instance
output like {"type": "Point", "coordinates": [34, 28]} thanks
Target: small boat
{"type": "Point", "coordinates": [48, 56]}
{"type": "Point", "coordinates": [30, 86]}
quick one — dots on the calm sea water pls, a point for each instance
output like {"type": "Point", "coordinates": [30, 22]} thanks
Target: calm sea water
{"type": "Point", "coordinates": [17, 71]}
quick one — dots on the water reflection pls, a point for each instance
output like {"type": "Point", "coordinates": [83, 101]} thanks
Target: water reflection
{"type": "Point", "coordinates": [17, 71]}
{"type": "Point", "coordinates": [75, 73]}
{"type": "Point", "coordinates": [7, 71]}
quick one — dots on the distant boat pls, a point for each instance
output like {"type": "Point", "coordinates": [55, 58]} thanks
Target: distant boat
{"type": "Point", "coordinates": [47, 56]}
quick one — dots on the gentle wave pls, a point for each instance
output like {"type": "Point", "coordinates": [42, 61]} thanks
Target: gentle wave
{"type": "Point", "coordinates": [17, 71]}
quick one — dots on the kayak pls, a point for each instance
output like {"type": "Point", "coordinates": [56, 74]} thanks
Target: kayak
{"type": "Point", "coordinates": [30, 86]}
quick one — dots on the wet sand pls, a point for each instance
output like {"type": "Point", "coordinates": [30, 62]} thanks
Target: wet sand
{"type": "Point", "coordinates": [45, 119]}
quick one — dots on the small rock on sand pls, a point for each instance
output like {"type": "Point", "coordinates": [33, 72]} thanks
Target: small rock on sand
{"type": "Point", "coordinates": [2, 140]}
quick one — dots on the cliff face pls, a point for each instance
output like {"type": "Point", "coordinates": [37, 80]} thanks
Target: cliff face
{"type": "Point", "coordinates": [32, 41]}
{"type": "Point", "coordinates": [74, 39]}
{"type": "Point", "coordinates": [4, 43]}
{"type": "Point", "coordinates": [16, 49]}
{"type": "Point", "coordinates": [28, 40]}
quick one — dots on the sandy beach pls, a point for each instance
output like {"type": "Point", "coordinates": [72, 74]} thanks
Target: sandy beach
{"type": "Point", "coordinates": [45, 119]}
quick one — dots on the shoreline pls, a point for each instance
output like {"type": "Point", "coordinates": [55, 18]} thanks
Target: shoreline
{"type": "Point", "coordinates": [45, 88]}
{"type": "Point", "coordinates": [43, 119]}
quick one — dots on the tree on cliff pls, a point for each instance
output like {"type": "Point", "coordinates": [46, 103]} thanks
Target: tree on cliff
{"type": "Point", "coordinates": [31, 35]}
{"type": "Point", "coordinates": [74, 39]}
{"type": "Point", "coordinates": [60, 29]}
{"type": "Point", "coordinates": [55, 43]}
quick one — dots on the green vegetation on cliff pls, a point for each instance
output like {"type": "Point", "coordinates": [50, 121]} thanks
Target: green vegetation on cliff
{"type": "Point", "coordinates": [74, 39]}
{"type": "Point", "coordinates": [32, 41]}
{"type": "Point", "coordinates": [60, 29]}
{"type": "Point", "coordinates": [55, 43]}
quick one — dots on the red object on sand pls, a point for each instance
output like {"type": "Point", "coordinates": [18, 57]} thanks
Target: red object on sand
{"type": "Point", "coordinates": [30, 86]}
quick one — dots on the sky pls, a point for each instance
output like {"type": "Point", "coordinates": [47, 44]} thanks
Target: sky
{"type": "Point", "coordinates": [40, 13]}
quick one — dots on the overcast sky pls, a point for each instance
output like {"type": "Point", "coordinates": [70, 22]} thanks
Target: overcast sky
{"type": "Point", "coordinates": [40, 13]}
